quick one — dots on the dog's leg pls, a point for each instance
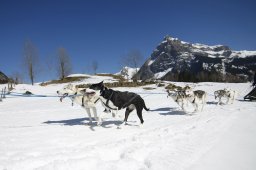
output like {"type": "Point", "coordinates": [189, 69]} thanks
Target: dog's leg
{"type": "Point", "coordinates": [101, 117]}
{"type": "Point", "coordinates": [113, 113]}
{"type": "Point", "coordinates": [203, 100]}
{"type": "Point", "coordinates": [203, 103]}
{"type": "Point", "coordinates": [89, 114]}
{"type": "Point", "coordinates": [117, 115]}
{"type": "Point", "coordinates": [127, 112]}
{"type": "Point", "coordinates": [227, 102]}
{"type": "Point", "coordinates": [186, 103]}
{"type": "Point", "coordinates": [107, 110]}
{"type": "Point", "coordinates": [233, 98]}
{"type": "Point", "coordinates": [195, 104]}
{"type": "Point", "coordinates": [139, 113]}
{"type": "Point", "coordinates": [98, 119]}
{"type": "Point", "coordinates": [182, 104]}
{"type": "Point", "coordinates": [219, 102]}
{"type": "Point", "coordinates": [195, 107]}
{"type": "Point", "coordinates": [94, 113]}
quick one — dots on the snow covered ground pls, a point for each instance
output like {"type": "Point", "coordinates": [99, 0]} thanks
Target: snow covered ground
{"type": "Point", "coordinates": [42, 133]}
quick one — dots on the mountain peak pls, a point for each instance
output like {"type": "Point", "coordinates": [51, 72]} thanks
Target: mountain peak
{"type": "Point", "coordinates": [169, 38]}
{"type": "Point", "coordinates": [175, 56]}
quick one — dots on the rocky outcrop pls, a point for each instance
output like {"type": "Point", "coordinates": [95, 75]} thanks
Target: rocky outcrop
{"type": "Point", "coordinates": [177, 60]}
{"type": "Point", "coordinates": [3, 78]}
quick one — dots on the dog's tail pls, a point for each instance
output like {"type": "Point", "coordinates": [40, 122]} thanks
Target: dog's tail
{"type": "Point", "coordinates": [144, 106]}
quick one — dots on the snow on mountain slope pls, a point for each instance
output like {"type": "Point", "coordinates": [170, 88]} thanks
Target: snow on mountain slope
{"type": "Point", "coordinates": [196, 59]}
{"type": "Point", "coordinates": [127, 72]}
{"type": "Point", "coordinates": [43, 133]}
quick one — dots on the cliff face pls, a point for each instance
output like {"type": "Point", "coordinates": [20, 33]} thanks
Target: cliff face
{"type": "Point", "coordinates": [181, 61]}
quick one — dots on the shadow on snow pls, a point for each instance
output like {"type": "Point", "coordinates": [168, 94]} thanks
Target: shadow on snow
{"type": "Point", "coordinates": [80, 121]}
{"type": "Point", "coordinates": [166, 111]}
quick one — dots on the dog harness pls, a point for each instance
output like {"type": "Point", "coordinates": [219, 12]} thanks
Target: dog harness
{"type": "Point", "coordinates": [87, 94]}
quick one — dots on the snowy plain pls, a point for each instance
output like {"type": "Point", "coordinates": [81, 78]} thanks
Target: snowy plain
{"type": "Point", "coordinates": [43, 133]}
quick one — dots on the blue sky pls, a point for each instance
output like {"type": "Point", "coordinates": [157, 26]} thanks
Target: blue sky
{"type": "Point", "coordinates": [106, 30]}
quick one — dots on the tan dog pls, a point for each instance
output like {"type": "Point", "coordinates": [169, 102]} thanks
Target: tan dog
{"type": "Point", "coordinates": [83, 98]}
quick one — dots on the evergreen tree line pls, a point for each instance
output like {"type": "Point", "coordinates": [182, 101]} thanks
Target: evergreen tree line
{"type": "Point", "coordinates": [203, 76]}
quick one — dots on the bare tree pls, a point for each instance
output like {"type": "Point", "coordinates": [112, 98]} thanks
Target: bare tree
{"type": "Point", "coordinates": [133, 59]}
{"type": "Point", "coordinates": [94, 66]}
{"type": "Point", "coordinates": [30, 60]}
{"type": "Point", "coordinates": [16, 77]}
{"type": "Point", "coordinates": [64, 66]}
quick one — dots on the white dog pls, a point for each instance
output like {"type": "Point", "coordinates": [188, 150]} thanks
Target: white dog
{"type": "Point", "coordinates": [231, 95]}
{"type": "Point", "coordinates": [196, 97]}
{"type": "Point", "coordinates": [83, 98]}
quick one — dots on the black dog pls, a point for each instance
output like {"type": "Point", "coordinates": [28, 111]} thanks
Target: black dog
{"type": "Point", "coordinates": [121, 100]}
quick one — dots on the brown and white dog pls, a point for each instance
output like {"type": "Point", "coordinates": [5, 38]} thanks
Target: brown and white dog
{"type": "Point", "coordinates": [182, 97]}
{"type": "Point", "coordinates": [225, 93]}
{"type": "Point", "coordinates": [178, 96]}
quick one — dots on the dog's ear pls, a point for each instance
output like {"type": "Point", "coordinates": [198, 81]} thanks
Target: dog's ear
{"type": "Point", "coordinates": [101, 84]}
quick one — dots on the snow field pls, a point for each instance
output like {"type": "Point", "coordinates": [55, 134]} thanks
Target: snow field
{"type": "Point", "coordinates": [43, 133]}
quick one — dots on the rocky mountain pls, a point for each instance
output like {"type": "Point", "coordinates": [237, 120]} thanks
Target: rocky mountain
{"type": "Point", "coordinates": [3, 78]}
{"type": "Point", "coordinates": [177, 60]}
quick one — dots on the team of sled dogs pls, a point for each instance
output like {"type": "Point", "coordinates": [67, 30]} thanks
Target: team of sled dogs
{"type": "Point", "coordinates": [113, 100]}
